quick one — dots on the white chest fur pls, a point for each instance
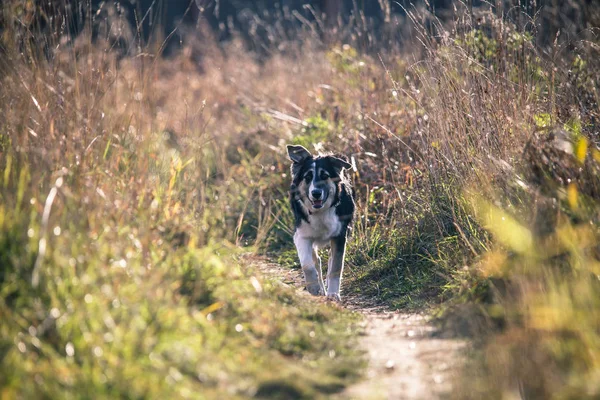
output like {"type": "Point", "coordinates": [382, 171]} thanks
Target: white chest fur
{"type": "Point", "coordinates": [321, 227]}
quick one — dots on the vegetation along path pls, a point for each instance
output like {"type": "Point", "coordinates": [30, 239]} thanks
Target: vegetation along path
{"type": "Point", "coordinates": [407, 357]}
{"type": "Point", "coordinates": [135, 174]}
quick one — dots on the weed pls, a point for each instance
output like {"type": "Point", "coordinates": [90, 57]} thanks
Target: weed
{"type": "Point", "coordinates": [119, 204]}
{"type": "Point", "coordinates": [129, 181]}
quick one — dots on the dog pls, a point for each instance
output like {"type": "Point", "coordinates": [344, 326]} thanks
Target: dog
{"type": "Point", "coordinates": [322, 200]}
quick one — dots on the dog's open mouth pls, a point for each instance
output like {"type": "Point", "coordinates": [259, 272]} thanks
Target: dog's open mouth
{"type": "Point", "coordinates": [317, 203]}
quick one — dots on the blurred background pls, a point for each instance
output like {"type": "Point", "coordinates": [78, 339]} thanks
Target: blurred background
{"type": "Point", "coordinates": [160, 19]}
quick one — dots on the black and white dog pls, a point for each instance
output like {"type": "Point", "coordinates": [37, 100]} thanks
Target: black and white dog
{"type": "Point", "coordinates": [322, 200]}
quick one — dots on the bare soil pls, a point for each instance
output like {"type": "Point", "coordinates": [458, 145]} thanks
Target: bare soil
{"type": "Point", "coordinates": [408, 358]}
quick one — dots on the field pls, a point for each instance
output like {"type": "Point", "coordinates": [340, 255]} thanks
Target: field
{"type": "Point", "coordinates": [143, 200]}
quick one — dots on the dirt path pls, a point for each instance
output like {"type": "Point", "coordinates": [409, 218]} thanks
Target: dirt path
{"type": "Point", "coordinates": [407, 357]}
{"type": "Point", "coordinates": [407, 360]}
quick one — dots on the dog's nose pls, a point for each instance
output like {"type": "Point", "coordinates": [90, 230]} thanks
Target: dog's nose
{"type": "Point", "coordinates": [316, 194]}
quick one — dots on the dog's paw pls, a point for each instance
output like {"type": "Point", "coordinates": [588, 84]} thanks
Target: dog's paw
{"type": "Point", "coordinates": [334, 297]}
{"type": "Point", "coordinates": [315, 289]}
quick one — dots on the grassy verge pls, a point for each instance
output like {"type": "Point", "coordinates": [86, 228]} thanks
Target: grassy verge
{"type": "Point", "coordinates": [477, 181]}
{"type": "Point", "coordinates": [128, 188]}
{"type": "Point", "coordinates": [129, 182]}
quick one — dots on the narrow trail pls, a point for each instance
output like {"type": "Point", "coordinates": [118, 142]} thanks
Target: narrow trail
{"type": "Point", "coordinates": [407, 358]}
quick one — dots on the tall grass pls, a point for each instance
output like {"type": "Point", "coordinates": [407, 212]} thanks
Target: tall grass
{"type": "Point", "coordinates": [126, 182]}
{"type": "Point", "coordinates": [511, 156]}
{"type": "Point", "coordinates": [129, 181]}
{"type": "Point", "coordinates": [477, 183]}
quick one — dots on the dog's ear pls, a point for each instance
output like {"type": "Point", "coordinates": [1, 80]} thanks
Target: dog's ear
{"type": "Point", "coordinates": [339, 163]}
{"type": "Point", "coordinates": [298, 154]}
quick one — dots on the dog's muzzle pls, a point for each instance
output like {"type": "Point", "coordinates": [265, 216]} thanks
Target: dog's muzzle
{"type": "Point", "coordinates": [317, 198]}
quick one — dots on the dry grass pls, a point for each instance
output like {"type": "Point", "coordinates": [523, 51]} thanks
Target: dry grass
{"type": "Point", "coordinates": [143, 175]}
{"type": "Point", "coordinates": [126, 182]}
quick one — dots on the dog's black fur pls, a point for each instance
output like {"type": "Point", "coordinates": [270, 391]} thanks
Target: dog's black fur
{"type": "Point", "coordinates": [343, 198]}
{"type": "Point", "coordinates": [315, 223]}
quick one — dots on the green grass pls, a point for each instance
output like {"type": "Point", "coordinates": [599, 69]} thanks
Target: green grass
{"type": "Point", "coordinates": [125, 308]}
{"type": "Point", "coordinates": [464, 199]}
{"type": "Point", "coordinates": [121, 243]}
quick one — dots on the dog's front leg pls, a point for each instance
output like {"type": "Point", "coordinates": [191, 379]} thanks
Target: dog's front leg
{"type": "Point", "coordinates": [336, 267]}
{"type": "Point", "coordinates": [314, 283]}
{"type": "Point", "coordinates": [317, 261]}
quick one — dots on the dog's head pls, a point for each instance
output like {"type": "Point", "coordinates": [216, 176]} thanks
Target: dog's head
{"type": "Point", "coordinates": [315, 180]}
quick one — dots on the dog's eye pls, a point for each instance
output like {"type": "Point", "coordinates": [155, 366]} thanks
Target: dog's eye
{"type": "Point", "coordinates": [324, 175]}
{"type": "Point", "coordinates": [308, 177]}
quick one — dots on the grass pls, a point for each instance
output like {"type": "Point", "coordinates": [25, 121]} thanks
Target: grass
{"type": "Point", "coordinates": [128, 197]}
{"type": "Point", "coordinates": [131, 184]}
